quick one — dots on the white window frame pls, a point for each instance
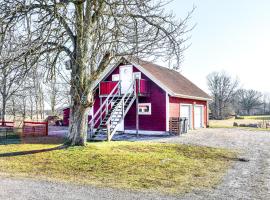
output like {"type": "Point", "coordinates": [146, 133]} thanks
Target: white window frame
{"type": "Point", "coordinates": [139, 74]}
{"type": "Point", "coordinates": [145, 113]}
{"type": "Point", "coordinates": [115, 77]}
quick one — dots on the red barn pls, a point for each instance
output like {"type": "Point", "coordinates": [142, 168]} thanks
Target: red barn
{"type": "Point", "coordinates": [136, 95]}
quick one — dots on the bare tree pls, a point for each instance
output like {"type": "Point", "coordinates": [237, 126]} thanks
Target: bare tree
{"type": "Point", "coordinates": [223, 88]}
{"type": "Point", "coordinates": [266, 103]}
{"type": "Point", "coordinates": [12, 74]}
{"type": "Point", "coordinates": [94, 34]}
{"type": "Point", "coordinates": [57, 94]}
{"type": "Point", "coordinates": [249, 99]}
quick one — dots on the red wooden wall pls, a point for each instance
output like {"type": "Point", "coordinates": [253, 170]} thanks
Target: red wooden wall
{"type": "Point", "coordinates": [175, 107]}
{"type": "Point", "coordinates": [154, 122]}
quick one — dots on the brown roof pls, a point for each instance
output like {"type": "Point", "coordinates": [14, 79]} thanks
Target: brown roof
{"type": "Point", "coordinates": [171, 79]}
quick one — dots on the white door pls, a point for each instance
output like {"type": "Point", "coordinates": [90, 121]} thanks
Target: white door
{"type": "Point", "coordinates": [126, 73]}
{"type": "Point", "coordinates": [185, 111]}
{"type": "Point", "coordinates": [198, 116]}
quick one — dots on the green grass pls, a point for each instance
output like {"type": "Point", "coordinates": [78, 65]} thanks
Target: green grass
{"type": "Point", "coordinates": [228, 123]}
{"type": "Point", "coordinates": [169, 168]}
{"type": "Point", "coordinates": [257, 117]}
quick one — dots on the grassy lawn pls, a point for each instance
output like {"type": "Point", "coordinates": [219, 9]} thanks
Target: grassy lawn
{"type": "Point", "coordinates": [257, 117]}
{"type": "Point", "coordinates": [159, 167]}
{"type": "Point", "coordinates": [228, 123]}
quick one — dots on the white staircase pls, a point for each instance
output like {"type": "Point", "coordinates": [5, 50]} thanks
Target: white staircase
{"type": "Point", "coordinates": [112, 112]}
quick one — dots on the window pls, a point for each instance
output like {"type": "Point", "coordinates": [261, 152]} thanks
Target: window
{"type": "Point", "coordinates": [115, 77]}
{"type": "Point", "coordinates": [137, 75]}
{"type": "Point", "coordinates": [144, 108]}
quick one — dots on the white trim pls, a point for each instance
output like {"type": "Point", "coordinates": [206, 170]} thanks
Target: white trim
{"type": "Point", "coordinates": [143, 132]}
{"type": "Point", "coordinates": [190, 113]}
{"type": "Point", "coordinates": [164, 87]}
{"type": "Point", "coordinates": [192, 97]}
{"type": "Point", "coordinates": [207, 114]}
{"type": "Point", "coordinates": [167, 111]}
{"type": "Point", "coordinates": [105, 74]}
{"type": "Point", "coordinates": [156, 81]}
{"type": "Point", "coordinates": [149, 75]}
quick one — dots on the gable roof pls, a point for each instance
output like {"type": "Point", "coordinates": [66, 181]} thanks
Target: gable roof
{"type": "Point", "coordinates": [174, 82]}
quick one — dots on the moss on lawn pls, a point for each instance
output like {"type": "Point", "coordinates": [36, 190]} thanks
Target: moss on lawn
{"type": "Point", "coordinates": [170, 168]}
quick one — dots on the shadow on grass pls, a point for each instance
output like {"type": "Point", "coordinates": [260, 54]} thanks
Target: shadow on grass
{"type": "Point", "coordinates": [21, 153]}
{"type": "Point", "coordinates": [43, 140]}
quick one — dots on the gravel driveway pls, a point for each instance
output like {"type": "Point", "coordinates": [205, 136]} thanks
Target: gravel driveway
{"type": "Point", "coordinates": [245, 180]}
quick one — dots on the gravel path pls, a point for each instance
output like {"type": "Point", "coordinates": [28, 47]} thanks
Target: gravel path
{"type": "Point", "coordinates": [245, 180]}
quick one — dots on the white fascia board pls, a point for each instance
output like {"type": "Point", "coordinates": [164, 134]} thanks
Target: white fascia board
{"type": "Point", "coordinates": [170, 92]}
{"type": "Point", "coordinates": [104, 75]}
{"type": "Point", "coordinates": [191, 97]}
{"type": "Point", "coordinates": [167, 111]}
{"type": "Point", "coordinates": [156, 81]}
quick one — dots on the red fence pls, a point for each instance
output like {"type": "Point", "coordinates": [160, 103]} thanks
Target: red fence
{"type": "Point", "coordinates": [35, 129]}
{"type": "Point", "coordinates": [106, 87]}
{"type": "Point", "coordinates": [6, 124]}
{"type": "Point", "coordinates": [142, 87]}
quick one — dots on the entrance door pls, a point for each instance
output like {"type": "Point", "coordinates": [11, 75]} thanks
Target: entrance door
{"type": "Point", "coordinates": [126, 72]}
{"type": "Point", "coordinates": [185, 111]}
{"type": "Point", "coordinates": [198, 116]}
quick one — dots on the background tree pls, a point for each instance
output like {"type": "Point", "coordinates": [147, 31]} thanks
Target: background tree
{"type": "Point", "coordinates": [12, 74]}
{"type": "Point", "coordinates": [223, 89]}
{"type": "Point", "coordinates": [93, 34]}
{"type": "Point", "coordinates": [266, 103]}
{"type": "Point", "coordinates": [249, 99]}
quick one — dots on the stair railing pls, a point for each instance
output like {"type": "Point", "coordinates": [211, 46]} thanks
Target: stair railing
{"type": "Point", "coordinates": [131, 92]}
{"type": "Point", "coordinates": [100, 112]}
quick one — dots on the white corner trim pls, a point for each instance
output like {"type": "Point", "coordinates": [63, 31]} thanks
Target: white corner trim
{"type": "Point", "coordinates": [156, 81]}
{"type": "Point", "coordinates": [167, 111]}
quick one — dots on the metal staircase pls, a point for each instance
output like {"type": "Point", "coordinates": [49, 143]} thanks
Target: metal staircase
{"type": "Point", "coordinates": [111, 113]}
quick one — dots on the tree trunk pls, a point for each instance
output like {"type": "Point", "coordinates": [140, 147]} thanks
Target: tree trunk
{"type": "Point", "coordinates": [79, 92]}
{"type": "Point", "coordinates": [78, 125]}
{"type": "Point", "coordinates": [13, 110]}
{"type": "Point", "coordinates": [3, 117]}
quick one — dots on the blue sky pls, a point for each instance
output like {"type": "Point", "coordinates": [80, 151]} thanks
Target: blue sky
{"type": "Point", "coordinates": [230, 35]}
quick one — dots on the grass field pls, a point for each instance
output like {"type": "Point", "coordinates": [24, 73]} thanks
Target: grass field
{"type": "Point", "coordinates": [228, 123]}
{"type": "Point", "coordinates": [257, 117]}
{"type": "Point", "coordinates": [168, 168]}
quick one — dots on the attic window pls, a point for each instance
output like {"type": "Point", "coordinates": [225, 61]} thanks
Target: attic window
{"type": "Point", "coordinates": [137, 75]}
{"type": "Point", "coordinates": [115, 77]}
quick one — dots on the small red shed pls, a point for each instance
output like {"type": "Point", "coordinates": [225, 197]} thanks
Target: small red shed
{"type": "Point", "coordinates": [139, 96]}
{"type": "Point", "coordinates": [66, 112]}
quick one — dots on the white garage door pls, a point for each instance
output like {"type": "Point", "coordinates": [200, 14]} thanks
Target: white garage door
{"type": "Point", "coordinates": [198, 116]}
{"type": "Point", "coordinates": [185, 111]}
